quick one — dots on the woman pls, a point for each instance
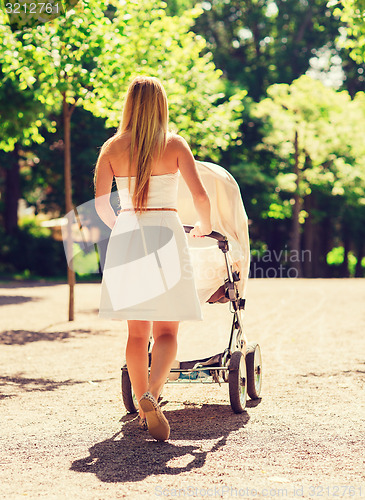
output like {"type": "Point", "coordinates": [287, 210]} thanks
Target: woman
{"type": "Point", "coordinates": [148, 276]}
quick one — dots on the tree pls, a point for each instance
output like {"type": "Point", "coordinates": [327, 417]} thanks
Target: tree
{"type": "Point", "coordinates": [75, 62]}
{"type": "Point", "coordinates": [21, 116]}
{"type": "Point", "coordinates": [58, 62]}
{"type": "Point", "coordinates": [258, 44]}
{"type": "Point", "coordinates": [313, 131]}
{"type": "Point", "coordinates": [163, 46]}
{"type": "Point", "coordinates": [352, 13]}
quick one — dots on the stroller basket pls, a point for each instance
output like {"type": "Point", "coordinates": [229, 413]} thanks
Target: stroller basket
{"type": "Point", "coordinates": [205, 370]}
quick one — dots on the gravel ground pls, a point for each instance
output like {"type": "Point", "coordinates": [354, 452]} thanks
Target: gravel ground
{"type": "Point", "coordinates": [65, 432]}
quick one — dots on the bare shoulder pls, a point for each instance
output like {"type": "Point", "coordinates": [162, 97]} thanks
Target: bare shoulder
{"type": "Point", "coordinates": [105, 148]}
{"type": "Point", "coordinates": [115, 143]}
{"type": "Point", "coordinates": [177, 143]}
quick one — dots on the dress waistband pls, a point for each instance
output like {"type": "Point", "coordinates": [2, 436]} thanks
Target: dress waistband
{"type": "Point", "coordinates": [133, 210]}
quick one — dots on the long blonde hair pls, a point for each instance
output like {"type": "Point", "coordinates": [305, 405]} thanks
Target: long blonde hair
{"type": "Point", "coordinates": [145, 117]}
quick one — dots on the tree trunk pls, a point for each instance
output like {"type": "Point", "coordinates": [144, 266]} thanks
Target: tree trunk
{"type": "Point", "coordinates": [359, 255]}
{"type": "Point", "coordinates": [327, 244]}
{"type": "Point", "coordinates": [67, 112]}
{"type": "Point", "coordinates": [308, 238]}
{"type": "Point", "coordinates": [345, 273]}
{"type": "Point", "coordinates": [295, 236]}
{"type": "Point", "coordinates": [316, 254]}
{"type": "Point", "coordinates": [12, 192]}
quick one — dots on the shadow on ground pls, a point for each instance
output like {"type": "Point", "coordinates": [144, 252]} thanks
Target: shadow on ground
{"type": "Point", "coordinates": [21, 337]}
{"type": "Point", "coordinates": [7, 300]}
{"type": "Point", "coordinates": [35, 384]}
{"type": "Point", "coordinates": [17, 384]}
{"type": "Point", "coordinates": [132, 455]}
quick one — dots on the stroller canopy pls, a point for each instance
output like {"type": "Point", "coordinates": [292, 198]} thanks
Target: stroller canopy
{"type": "Point", "coordinates": [229, 218]}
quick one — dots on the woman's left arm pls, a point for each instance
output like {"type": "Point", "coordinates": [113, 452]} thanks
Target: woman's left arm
{"type": "Point", "coordinates": [103, 186]}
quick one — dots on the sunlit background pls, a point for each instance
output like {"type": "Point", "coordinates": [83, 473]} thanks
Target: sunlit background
{"type": "Point", "coordinates": [271, 90]}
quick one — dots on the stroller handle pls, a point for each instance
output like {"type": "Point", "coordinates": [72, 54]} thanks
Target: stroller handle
{"type": "Point", "coordinates": [214, 234]}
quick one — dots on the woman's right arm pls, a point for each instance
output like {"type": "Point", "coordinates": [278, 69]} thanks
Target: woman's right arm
{"type": "Point", "coordinates": [193, 180]}
{"type": "Point", "coordinates": [103, 186]}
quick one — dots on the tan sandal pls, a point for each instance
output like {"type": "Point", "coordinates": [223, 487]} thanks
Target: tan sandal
{"type": "Point", "coordinates": [157, 423]}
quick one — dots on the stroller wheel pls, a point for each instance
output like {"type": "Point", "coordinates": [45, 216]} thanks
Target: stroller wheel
{"type": "Point", "coordinates": [129, 398]}
{"type": "Point", "coordinates": [237, 382]}
{"type": "Point", "coordinates": [254, 370]}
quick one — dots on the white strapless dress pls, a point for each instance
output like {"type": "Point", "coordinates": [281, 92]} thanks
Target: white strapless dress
{"type": "Point", "coordinates": [148, 273]}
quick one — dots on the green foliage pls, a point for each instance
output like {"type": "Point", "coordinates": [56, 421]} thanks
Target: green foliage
{"type": "Point", "coordinates": [92, 54]}
{"type": "Point", "coordinates": [162, 46]}
{"type": "Point", "coordinates": [84, 263]}
{"type": "Point", "coordinates": [30, 225]}
{"type": "Point", "coordinates": [331, 150]}
{"type": "Point", "coordinates": [29, 16]}
{"type": "Point", "coordinates": [178, 7]}
{"type": "Point", "coordinates": [352, 13]}
{"type": "Point", "coordinates": [31, 252]}
{"type": "Point", "coordinates": [259, 43]}
{"type": "Point", "coordinates": [87, 59]}
{"type": "Point", "coordinates": [21, 114]}
{"type": "Point", "coordinates": [42, 175]}
{"type": "Point", "coordinates": [278, 211]}
{"type": "Point", "coordinates": [330, 176]}
{"type": "Point", "coordinates": [336, 257]}
{"type": "Point", "coordinates": [61, 56]}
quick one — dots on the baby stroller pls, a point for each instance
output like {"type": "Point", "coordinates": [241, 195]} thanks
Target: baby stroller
{"type": "Point", "coordinates": [225, 252]}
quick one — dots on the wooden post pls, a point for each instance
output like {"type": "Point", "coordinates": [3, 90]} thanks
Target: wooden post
{"type": "Point", "coordinates": [67, 112]}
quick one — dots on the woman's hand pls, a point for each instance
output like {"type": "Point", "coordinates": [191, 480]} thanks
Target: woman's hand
{"type": "Point", "coordinates": [199, 231]}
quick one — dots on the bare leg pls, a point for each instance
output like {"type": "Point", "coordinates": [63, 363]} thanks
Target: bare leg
{"type": "Point", "coordinates": [137, 356]}
{"type": "Point", "coordinates": [163, 354]}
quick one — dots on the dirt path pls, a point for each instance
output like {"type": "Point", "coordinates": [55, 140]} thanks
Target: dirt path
{"type": "Point", "coordinates": [65, 433]}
